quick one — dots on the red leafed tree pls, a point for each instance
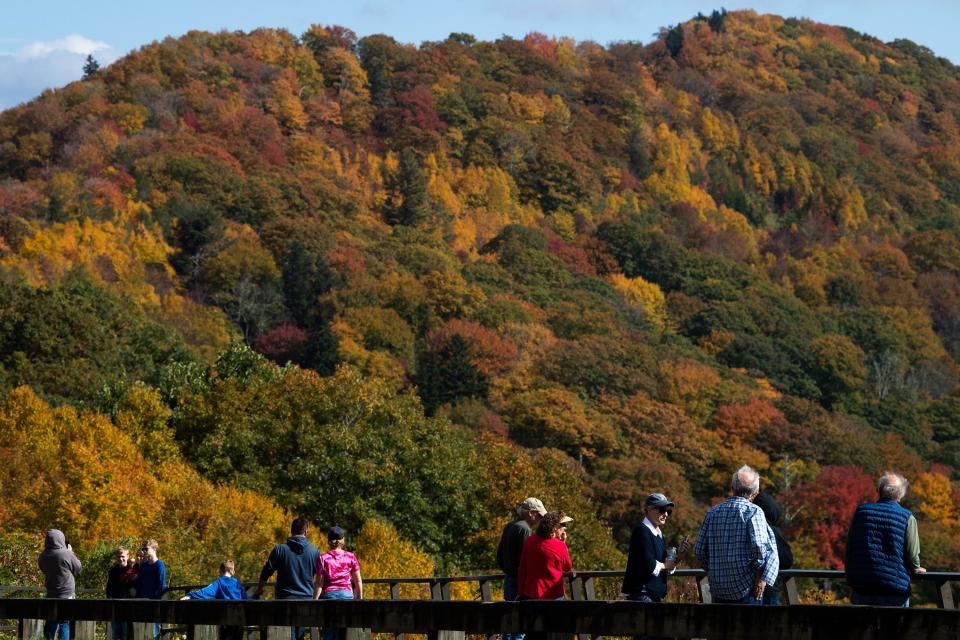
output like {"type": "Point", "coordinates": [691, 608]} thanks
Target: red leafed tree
{"type": "Point", "coordinates": [542, 44]}
{"type": "Point", "coordinates": [745, 419]}
{"type": "Point", "coordinates": [282, 343]}
{"type": "Point", "coordinates": [417, 108]}
{"type": "Point", "coordinates": [822, 509]}
{"type": "Point", "coordinates": [492, 353]}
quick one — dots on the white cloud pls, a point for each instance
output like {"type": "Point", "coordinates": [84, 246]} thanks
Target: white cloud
{"type": "Point", "coordinates": [71, 44]}
{"type": "Point", "coordinates": [44, 65]}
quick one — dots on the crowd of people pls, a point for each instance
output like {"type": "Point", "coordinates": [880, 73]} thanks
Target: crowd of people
{"type": "Point", "coordinates": [740, 545]}
{"type": "Point", "coordinates": [302, 571]}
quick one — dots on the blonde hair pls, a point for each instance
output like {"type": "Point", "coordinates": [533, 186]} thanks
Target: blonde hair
{"type": "Point", "coordinates": [151, 544]}
{"type": "Point", "coordinates": [227, 566]}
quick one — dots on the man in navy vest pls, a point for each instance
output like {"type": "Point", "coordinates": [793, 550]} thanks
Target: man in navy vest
{"type": "Point", "coordinates": [883, 548]}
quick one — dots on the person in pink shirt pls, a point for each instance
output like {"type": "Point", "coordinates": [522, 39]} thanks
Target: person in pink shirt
{"type": "Point", "coordinates": [544, 560]}
{"type": "Point", "coordinates": [338, 575]}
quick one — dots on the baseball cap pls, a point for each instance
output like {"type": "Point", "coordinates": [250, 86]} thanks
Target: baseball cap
{"type": "Point", "coordinates": [335, 533]}
{"type": "Point", "coordinates": [533, 504]}
{"type": "Point", "coordinates": [566, 519]}
{"type": "Point", "coordinates": [657, 500]}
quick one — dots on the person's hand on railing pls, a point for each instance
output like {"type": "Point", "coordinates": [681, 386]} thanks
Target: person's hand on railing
{"type": "Point", "coordinates": [919, 571]}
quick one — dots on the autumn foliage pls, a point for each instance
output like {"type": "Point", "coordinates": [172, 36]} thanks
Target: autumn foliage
{"type": "Point", "coordinates": [401, 287]}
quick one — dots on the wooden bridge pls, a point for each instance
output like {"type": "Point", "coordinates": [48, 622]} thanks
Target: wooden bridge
{"type": "Point", "coordinates": [441, 618]}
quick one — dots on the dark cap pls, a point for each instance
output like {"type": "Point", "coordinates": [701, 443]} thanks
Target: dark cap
{"type": "Point", "coordinates": [335, 533]}
{"type": "Point", "coordinates": [656, 500]}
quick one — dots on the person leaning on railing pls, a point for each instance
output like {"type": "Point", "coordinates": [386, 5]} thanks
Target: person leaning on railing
{"type": "Point", "coordinates": [544, 560]}
{"type": "Point", "coordinates": [648, 564]}
{"type": "Point", "coordinates": [883, 547]}
{"type": "Point", "coordinates": [338, 574]}
{"type": "Point", "coordinates": [226, 587]}
{"type": "Point", "coordinates": [295, 563]}
{"type": "Point", "coordinates": [60, 568]}
{"type": "Point", "coordinates": [736, 546]}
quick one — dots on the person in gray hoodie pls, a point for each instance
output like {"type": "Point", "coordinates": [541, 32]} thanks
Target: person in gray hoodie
{"type": "Point", "coordinates": [60, 568]}
{"type": "Point", "coordinates": [295, 564]}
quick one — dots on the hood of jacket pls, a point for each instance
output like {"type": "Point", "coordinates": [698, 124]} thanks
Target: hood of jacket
{"type": "Point", "coordinates": [298, 544]}
{"type": "Point", "coordinates": [54, 540]}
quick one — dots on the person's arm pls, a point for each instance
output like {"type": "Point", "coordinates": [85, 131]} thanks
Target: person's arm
{"type": "Point", "coordinates": [521, 573]}
{"type": "Point", "coordinates": [162, 575]}
{"type": "Point", "coordinates": [501, 561]}
{"type": "Point", "coordinates": [514, 551]}
{"type": "Point", "coordinates": [109, 590]}
{"type": "Point", "coordinates": [764, 553]}
{"type": "Point", "coordinates": [566, 562]}
{"type": "Point", "coordinates": [269, 567]}
{"type": "Point", "coordinates": [75, 565]}
{"type": "Point", "coordinates": [702, 547]}
{"type": "Point", "coordinates": [911, 547]}
{"type": "Point", "coordinates": [209, 592]}
{"type": "Point", "coordinates": [357, 583]}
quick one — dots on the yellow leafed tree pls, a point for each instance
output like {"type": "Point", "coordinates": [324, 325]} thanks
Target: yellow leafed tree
{"type": "Point", "coordinates": [383, 553]}
{"type": "Point", "coordinates": [644, 295]}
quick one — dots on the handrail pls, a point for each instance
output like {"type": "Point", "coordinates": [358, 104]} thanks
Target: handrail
{"type": "Point", "coordinates": [455, 619]}
{"type": "Point", "coordinates": [582, 585]}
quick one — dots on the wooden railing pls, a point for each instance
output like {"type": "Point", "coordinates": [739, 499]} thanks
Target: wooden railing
{"type": "Point", "coordinates": [582, 586]}
{"type": "Point", "coordinates": [271, 620]}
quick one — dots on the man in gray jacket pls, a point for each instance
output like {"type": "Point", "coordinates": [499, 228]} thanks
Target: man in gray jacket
{"type": "Point", "coordinates": [60, 568]}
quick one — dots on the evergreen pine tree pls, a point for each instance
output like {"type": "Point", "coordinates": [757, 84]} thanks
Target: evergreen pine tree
{"type": "Point", "coordinates": [447, 375]}
{"type": "Point", "coordinates": [410, 184]}
{"type": "Point", "coordinates": [90, 67]}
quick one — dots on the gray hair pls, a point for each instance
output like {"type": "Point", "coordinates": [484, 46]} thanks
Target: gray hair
{"type": "Point", "coordinates": [745, 482]}
{"type": "Point", "coordinates": [892, 486]}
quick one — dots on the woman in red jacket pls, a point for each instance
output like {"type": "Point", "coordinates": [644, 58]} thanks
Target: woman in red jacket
{"type": "Point", "coordinates": [544, 560]}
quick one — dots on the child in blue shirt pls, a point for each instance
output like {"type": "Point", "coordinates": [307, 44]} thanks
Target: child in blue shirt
{"type": "Point", "coordinates": [226, 587]}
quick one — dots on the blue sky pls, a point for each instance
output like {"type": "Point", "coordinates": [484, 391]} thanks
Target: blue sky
{"type": "Point", "coordinates": [43, 43]}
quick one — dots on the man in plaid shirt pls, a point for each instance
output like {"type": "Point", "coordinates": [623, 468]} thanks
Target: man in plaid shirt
{"type": "Point", "coordinates": [736, 546]}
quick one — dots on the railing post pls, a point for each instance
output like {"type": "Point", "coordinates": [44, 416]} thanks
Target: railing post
{"type": "Point", "coordinates": [945, 595]}
{"type": "Point", "coordinates": [142, 630]}
{"type": "Point", "coordinates": [273, 633]}
{"type": "Point", "coordinates": [485, 593]}
{"type": "Point", "coordinates": [29, 629]}
{"type": "Point", "coordinates": [441, 591]}
{"type": "Point", "coordinates": [790, 589]}
{"type": "Point", "coordinates": [589, 588]}
{"type": "Point", "coordinates": [576, 588]}
{"type": "Point", "coordinates": [395, 595]}
{"type": "Point", "coordinates": [703, 586]}
{"type": "Point", "coordinates": [85, 629]}
{"type": "Point", "coordinates": [202, 632]}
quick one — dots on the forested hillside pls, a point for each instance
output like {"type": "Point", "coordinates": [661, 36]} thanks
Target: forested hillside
{"type": "Point", "coordinates": [400, 288]}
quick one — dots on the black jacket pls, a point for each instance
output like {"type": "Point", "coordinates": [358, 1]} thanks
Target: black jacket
{"type": "Point", "coordinates": [645, 551]}
{"type": "Point", "coordinates": [511, 544]}
{"type": "Point", "coordinates": [771, 510]}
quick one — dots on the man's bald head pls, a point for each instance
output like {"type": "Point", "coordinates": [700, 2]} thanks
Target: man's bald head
{"type": "Point", "coordinates": [745, 482]}
{"type": "Point", "coordinates": [892, 486]}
